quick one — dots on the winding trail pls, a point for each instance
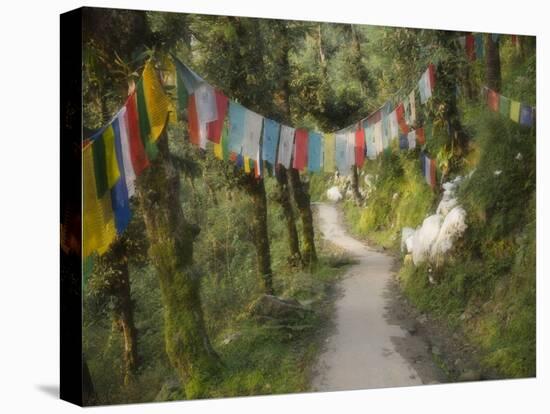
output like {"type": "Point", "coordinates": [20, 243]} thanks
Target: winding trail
{"type": "Point", "coordinates": [362, 352]}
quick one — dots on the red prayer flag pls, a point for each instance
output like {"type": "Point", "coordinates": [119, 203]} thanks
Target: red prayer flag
{"type": "Point", "coordinates": [470, 47]}
{"type": "Point", "coordinates": [431, 71]}
{"type": "Point", "coordinates": [214, 128]}
{"type": "Point", "coordinates": [420, 137]}
{"type": "Point", "coordinates": [193, 121]}
{"type": "Point", "coordinates": [359, 146]}
{"type": "Point", "coordinates": [137, 153]}
{"type": "Point", "coordinates": [492, 100]}
{"type": "Point", "coordinates": [400, 112]}
{"type": "Point", "coordinates": [300, 149]}
{"type": "Point", "coordinates": [374, 118]}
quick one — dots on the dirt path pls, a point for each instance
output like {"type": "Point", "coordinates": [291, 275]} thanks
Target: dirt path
{"type": "Point", "coordinates": [369, 347]}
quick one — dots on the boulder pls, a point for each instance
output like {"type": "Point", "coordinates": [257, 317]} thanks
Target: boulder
{"type": "Point", "coordinates": [273, 307]}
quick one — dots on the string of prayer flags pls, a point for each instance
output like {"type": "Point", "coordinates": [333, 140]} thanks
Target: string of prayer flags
{"type": "Point", "coordinates": [329, 153]}
{"type": "Point", "coordinates": [509, 108]}
{"type": "Point", "coordinates": [314, 154]}
{"type": "Point", "coordinates": [300, 149]}
{"type": "Point", "coordinates": [137, 151]}
{"type": "Point", "coordinates": [270, 140]}
{"type": "Point", "coordinates": [214, 128]}
{"type": "Point", "coordinates": [252, 134]}
{"type": "Point", "coordinates": [286, 144]}
{"type": "Point", "coordinates": [359, 146]}
{"type": "Point", "coordinates": [237, 114]}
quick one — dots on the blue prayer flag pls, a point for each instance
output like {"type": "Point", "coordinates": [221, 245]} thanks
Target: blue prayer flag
{"type": "Point", "coordinates": [119, 192]}
{"type": "Point", "coordinates": [237, 115]}
{"type": "Point", "coordinates": [341, 152]}
{"type": "Point", "coordinates": [526, 115]}
{"type": "Point", "coordinates": [314, 152]}
{"type": "Point", "coordinates": [403, 142]}
{"type": "Point", "coordinates": [478, 39]}
{"type": "Point", "coordinates": [190, 79]}
{"type": "Point", "coordinates": [270, 140]}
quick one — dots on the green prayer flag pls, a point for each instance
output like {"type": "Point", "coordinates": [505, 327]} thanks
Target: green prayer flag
{"type": "Point", "coordinates": [100, 166]}
{"type": "Point", "coordinates": [144, 125]}
{"type": "Point", "coordinates": [504, 106]}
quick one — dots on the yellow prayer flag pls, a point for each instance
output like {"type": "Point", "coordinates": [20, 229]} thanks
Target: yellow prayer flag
{"type": "Point", "coordinates": [218, 151]}
{"type": "Point", "coordinates": [514, 110]}
{"type": "Point", "coordinates": [111, 163]}
{"type": "Point", "coordinates": [246, 165]}
{"type": "Point", "coordinates": [329, 153]}
{"type": "Point", "coordinates": [98, 225]}
{"type": "Point", "coordinates": [157, 102]}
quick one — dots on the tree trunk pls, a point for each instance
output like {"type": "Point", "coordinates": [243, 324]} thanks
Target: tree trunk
{"type": "Point", "coordinates": [283, 198]}
{"type": "Point", "coordinates": [301, 198]}
{"type": "Point", "coordinates": [124, 315]}
{"type": "Point", "coordinates": [256, 189]}
{"type": "Point", "coordinates": [299, 193]}
{"type": "Point", "coordinates": [118, 287]}
{"type": "Point", "coordinates": [492, 64]}
{"type": "Point", "coordinates": [171, 240]}
{"type": "Point", "coordinates": [355, 185]}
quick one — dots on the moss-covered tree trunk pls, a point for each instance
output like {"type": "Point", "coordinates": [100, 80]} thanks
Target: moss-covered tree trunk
{"type": "Point", "coordinates": [256, 188]}
{"type": "Point", "coordinates": [171, 240]}
{"type": "Point", "coordinates": [283, 198]}
{"type": "Point", "coordinates": [302, 199]}
{"type": "Point", "coordinates": [123, 310]}
{"type": "Point", "coordinates": [492, 63]}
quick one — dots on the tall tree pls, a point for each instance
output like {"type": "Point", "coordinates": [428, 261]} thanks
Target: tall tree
{"type": "Point", "coordinates": [171, 239]}
{"type": "Point", "coordinates": [229, 52]}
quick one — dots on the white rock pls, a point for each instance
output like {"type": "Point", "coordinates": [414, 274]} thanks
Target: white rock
{"type": "Point", "coordinates": [407, 234]}
{"type": "Point", "coordinates": [424, 238]}
{"type": "Point", "coordinates": [446, 205]}
{"type": "Point", "coordinates": [334, 194]}
{"type": "Point", "coordinates": [452, 228]}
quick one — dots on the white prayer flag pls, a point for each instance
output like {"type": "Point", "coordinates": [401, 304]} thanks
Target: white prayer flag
{"type": "Point", "coordinates": [286, 142]}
